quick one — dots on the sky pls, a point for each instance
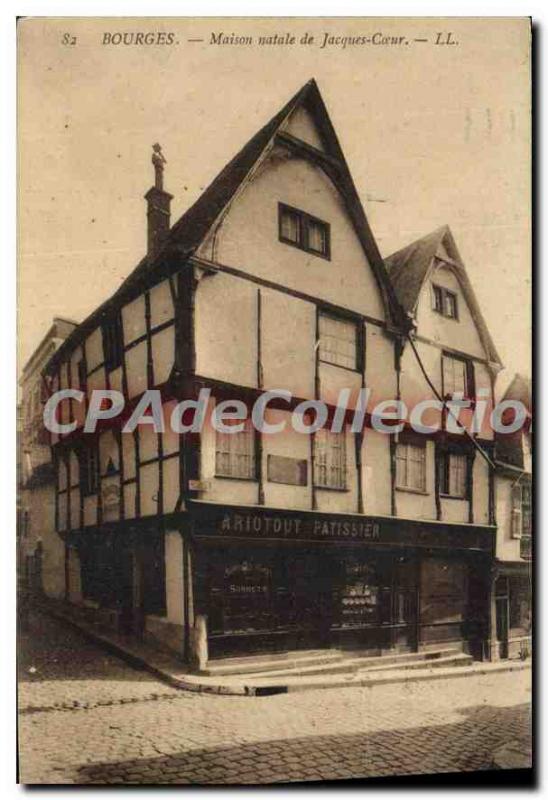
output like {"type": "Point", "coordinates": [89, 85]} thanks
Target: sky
{"type": "Point", "coordinates": [433, 135]}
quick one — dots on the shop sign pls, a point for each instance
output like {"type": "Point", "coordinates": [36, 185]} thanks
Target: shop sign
{"type": "Point", "coordinates": [241, 523]}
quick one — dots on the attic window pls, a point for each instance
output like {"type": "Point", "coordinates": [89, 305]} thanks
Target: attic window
{"type": "Point", "coordinates": [444, 302]}
{"type": "Point", "coordinates": [303, 231]}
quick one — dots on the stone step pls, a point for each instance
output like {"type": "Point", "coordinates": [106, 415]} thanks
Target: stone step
{"type": "Point", "coordinates": [270, 662]}
{"type": "Point", "coordinates": [323, 660]}
{"type": "Point", "coordinates": [364, 663]}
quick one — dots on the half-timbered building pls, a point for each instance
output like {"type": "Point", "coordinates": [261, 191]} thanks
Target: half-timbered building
{"type": "Point", "coordinates": [218, 543]}
{"type": "Point", "coordinates": [511, 595]}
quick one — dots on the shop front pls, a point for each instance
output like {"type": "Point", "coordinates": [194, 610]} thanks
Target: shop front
{"type": "Point", "coordinates": [513, 610]}
{"type": "Point", "coordinates": [269, 580]}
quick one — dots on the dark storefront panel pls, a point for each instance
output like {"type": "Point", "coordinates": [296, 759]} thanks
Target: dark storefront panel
{"type": "Point", "coordinates": [266, 599]}
{"type": "Point", "coordinates": [271, 579]}
{"type": "Point", "coordinates": [108, 569]}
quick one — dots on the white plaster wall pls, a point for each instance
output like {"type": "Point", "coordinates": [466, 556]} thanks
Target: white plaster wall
{"type": "Point", "coordinates": [376, 473]}
{"type": "Point", "coordinates": [380, 371]}
{"type": "Point", "coordinates": [174, 577]}
{"type": "Point", "coordinates": [293, 445]}
{"type": "Point", "coordinates": [136, 366]}
{"type": "Point", "coordinates": [226, 329]}
{"type": "Point", "coordinates": [248, 236]}
{"type": "Point", "coordinates": [301, 125]}
{"type": "Point", "coordinates": [461, 334]}
{"type": "Point", "coordinates": [133, 319]}
{"type": "Point", "coordinates": [507, 547]}
{"type": "Point", "coordinates": [161, 304]}
{"type": "Point", "coordinates": [288, 330]}
{"type": "Point", "coordinates": [163, 354]}
{"type": "Point", "coordinates": [454, 510]}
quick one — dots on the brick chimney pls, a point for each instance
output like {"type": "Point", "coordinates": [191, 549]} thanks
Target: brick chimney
{"type": "Point", "coordinates": [158, 205]}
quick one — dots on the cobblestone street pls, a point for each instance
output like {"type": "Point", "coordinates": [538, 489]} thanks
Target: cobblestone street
{"type": "Point", "coordinates": [87, 717]}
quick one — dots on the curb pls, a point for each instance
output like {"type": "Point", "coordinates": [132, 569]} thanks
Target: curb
{"type": "Point", "coordinates": [187, 683]}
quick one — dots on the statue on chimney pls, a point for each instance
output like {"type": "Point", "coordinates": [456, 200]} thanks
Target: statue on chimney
{"type": "Point", "coordinates": [158, 161]}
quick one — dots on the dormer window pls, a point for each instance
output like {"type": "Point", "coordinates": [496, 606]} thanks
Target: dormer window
{"type": "Point", "coordinates": [444, 302]}
{"type": "Point", "coordinates": [304, 231]}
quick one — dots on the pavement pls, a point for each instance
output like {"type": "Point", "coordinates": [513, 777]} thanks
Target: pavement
{"type": "Point", "coordinates": [170, 669]}
{"type": "Point", "coordinates": [86, 717]}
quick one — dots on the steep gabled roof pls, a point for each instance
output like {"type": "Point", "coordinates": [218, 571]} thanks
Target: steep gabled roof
{"type": "Point", "coordinates": [410, 267]}
{"type": "Point", "coordinates": [509, 446]}
{"type": "Point", "coordinates": [193, 226]}
{"type": "Point", "coordinates": [521, 389]}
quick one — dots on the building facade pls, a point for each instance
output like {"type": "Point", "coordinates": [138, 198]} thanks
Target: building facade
{"type": "Point", "coordinates": [511, 594]}
{"type": "Point", "coordinates": [220, 543]}
{"type": "Point", "coordinates": [41, 551]}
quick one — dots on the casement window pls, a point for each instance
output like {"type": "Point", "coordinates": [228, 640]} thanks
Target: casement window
{"type": "Point", "coordinates": [338, 341]}
{"type": "Point", "coordinates": [113, 342]}
{"type": "Point", "coordinates": [303, 231]}
{"type": "Point", "coordinates": [235, 454]}
{"type": "Point", "coordinates": [525, 545]}
{"type": "Point", "coordinates": [411, 466]}
{"type": "Point", "coordinates": [453, 470]}
{"type": "Point", "coordinates": [445, 302]}
{"type": "Point", "coordinates": [458, 376]}
{"type": "Point", "coordinates": [330, 459]}
{"type": "Point", "coordinates": [89, 469]}
{"type": "Point", "coordinates": [521, 512]}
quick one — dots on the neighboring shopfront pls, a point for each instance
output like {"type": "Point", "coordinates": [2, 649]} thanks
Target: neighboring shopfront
{"type": "Point", "coordinates": [513, 611]}
{"type": "Point", "coordinates": [270, 580]}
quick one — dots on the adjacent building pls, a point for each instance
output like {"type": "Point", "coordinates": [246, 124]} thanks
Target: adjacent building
{"type": "Point", "coordinates": [216, 543]}
{"type": "Point", "coordinates": [511, 606]}
{"type": "Point", "coordinates": [41, 551]}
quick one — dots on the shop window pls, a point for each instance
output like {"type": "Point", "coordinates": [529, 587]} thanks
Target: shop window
{"type": "Point", "coordinates": [411, 466]}
{"type": "Point", "coordinates": [303, 231]}
{"type": "Point", "coordinates": [247, 593]}
{"type": "Point", "coordinates": [338, 341]}
{"type": "Point", "coordinates": [235, 454]}
{"type": "Point", "coordinates": [330, 459]}
{"type": "Point", "coordinates": [361, 595]}
{"type": "Point", "coordinates": [453, 469]}
{"type": "Point", "coordinates": [520, 605]}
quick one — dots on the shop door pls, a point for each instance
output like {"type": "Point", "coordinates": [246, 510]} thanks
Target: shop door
{"type": "Point", "coordinates": [310, 583]}
{"type": "Point", "coordinates": [502, 625]}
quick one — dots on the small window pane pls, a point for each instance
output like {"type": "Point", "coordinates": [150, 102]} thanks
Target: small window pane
{"type": "Point", "coordinates": [290, 226]}
{"type": "Point", "coordinates": [235, 454]}
{"type": "Point", "coordinates": [437, 299]}
{"type": "Point", "coordinates": [330, 459]}
{"type": "Point", "coordinates": [317, 237]}
{"type": "Point", "coordinates": [454, 376]}
{"type": "Point", "coordinates": [451, 305]}
{"type": "Point", "coordinates": [338, 342]}
{"type": "Point", "coordinates": [457, 475]}
{"type": "Point", "coordinates": [411, 467]}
